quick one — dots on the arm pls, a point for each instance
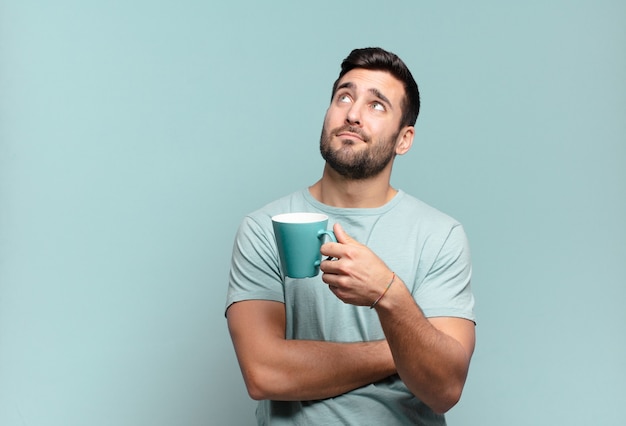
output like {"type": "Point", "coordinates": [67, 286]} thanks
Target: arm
{"type": "Point", "coordinates": [280, 369]}
{"type": "Point", "coordinates": [432, 356]}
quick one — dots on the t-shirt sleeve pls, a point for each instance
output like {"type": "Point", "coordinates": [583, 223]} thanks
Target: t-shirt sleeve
{"type": "Point", "coordinates": [446, 289]}
{"type": "Point", "coordinates": [254, 272]}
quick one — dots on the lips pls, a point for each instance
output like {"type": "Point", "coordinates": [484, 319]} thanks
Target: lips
{"type": "Point", "coordinates": [351, 133]}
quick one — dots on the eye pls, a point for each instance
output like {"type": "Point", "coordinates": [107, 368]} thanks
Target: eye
{"type": "Point", "coordinates": [343, 99]}
{"type": "Point", "coordinates": [378, 106]}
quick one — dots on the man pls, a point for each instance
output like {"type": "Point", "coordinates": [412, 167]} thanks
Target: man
{"type": "Point", "coordinates": [384, 335]}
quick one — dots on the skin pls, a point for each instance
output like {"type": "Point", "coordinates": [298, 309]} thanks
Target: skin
{"type": "Point", "coordinates": [431, 355]}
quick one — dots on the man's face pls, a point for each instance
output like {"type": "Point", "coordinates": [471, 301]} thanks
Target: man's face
{"type": "Point", "coordinates": [362, 123]}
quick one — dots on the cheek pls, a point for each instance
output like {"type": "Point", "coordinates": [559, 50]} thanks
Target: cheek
{"type": "Point", "coordinates": [333, 116]}
{"type": "Point", "coordinates": [327, 118]}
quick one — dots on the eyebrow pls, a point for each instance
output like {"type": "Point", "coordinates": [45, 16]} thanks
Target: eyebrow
{"type": "Point", "coordinates": [374, 91]}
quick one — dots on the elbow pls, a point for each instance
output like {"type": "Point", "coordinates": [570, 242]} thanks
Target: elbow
{"type": "Point", "coordinates": [442, 407]}
{"type": "Point", "coordinates": [256, 393]}
{"type": "Point", "coordinates": [259, 385]}
{"type": "Point", "coordinates": [446, 399]}
{"type": "Point", "coordinates": [254, 386]}
{"type": "Point", "coordinates": [439, 399]}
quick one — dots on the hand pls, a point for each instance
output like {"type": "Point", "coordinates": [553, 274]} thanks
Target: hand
{"type": "Point", "coordinates": [358, 276]}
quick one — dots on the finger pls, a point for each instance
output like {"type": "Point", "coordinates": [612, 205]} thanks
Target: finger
{"type": "Point", "coordinates": [342, 235]}
{"type": "Point", "coordinates": [334, 290]}
{"type": "Point", "coordinates": [333, 282]}
{"type": "Point", "coordinates": [329, 266]}
{"type": "Point", "coordinates": [331, 250]}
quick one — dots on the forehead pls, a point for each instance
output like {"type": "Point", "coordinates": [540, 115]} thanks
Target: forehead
{"type": "Point", "coordinates": [362, 80]}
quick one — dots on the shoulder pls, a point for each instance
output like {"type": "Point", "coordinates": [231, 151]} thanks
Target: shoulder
{"type": "Point", "coordinates": [432, 229]}
{"type": "Point", "coordinates": [260, 221]}
{"type": "Point", "coordinates": [288, 203]}
{"type": "Point", "coordinates": [417, 210]}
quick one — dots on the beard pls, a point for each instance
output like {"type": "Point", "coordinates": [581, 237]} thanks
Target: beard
{"type": "Point", "coordinates": [362, 164]}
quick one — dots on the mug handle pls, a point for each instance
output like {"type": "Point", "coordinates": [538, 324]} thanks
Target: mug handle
{"type": "Point", "coordinates": [328, 233]}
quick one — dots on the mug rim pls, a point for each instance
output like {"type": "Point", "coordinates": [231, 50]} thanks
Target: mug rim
{"type": "Point", "coordinates": [299, 217]}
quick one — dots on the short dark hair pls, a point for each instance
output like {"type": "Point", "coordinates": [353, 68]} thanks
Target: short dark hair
{"type": "Point", "coordinates": [375, 58]}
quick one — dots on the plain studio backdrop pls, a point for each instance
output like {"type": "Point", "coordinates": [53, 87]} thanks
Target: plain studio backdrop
{"type": "Point", "coordinates": [135, 135]}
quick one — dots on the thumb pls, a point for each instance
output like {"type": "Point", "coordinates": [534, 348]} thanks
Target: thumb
{"type": "Point", "coordinates": [342, 235]}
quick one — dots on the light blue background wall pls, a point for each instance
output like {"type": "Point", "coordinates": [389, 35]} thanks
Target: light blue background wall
{"type": "Point", "coordinates": [134, 135]}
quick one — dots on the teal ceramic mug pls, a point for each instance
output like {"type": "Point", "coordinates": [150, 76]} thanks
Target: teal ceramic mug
{"type": "Point", "coordinates": [299, 237]}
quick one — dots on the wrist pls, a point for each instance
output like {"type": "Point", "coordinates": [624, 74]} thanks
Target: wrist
{"type": "Point", "coordinates": [387, 287]}
{"type": "Point", "coordinates": [394, 296]}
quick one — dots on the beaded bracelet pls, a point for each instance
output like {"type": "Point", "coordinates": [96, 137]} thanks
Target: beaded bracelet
{"type": "Point", "coordinates": [393, 278]}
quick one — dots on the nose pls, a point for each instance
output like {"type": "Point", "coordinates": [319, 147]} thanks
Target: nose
{"type": "Point", "coordinates": [353, 117]}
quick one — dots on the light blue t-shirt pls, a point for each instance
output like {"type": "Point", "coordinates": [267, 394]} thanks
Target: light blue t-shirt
{"type": "Point", "coordinates": [427, 249]}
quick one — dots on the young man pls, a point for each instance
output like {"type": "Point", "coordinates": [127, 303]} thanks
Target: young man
{"type": "Point", "coordinates": [384, 335]}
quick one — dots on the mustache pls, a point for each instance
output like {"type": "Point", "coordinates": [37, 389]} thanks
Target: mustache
{"type": "Point", "coordinates": [352, 129]}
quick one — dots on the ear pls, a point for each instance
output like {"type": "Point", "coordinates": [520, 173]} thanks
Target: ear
{"type": "Point", "coordinates": [405, 140]}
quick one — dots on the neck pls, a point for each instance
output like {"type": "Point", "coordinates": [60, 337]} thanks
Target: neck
{"type": "Point", "coordinates": [337, 191]}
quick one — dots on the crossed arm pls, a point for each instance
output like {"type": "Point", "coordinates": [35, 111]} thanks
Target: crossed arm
{"type": "Point", "coordinates": [299, 370]}
{"type": "Point", "coordinates": [431, 356]}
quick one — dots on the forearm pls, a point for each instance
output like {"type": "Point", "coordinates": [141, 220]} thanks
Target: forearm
{"type": "Point", "coordinates": [280, 369]}
{"type": "Point", "coordinates": [308, 370]}
{"type": "Point", "coordinates": [431, 363]}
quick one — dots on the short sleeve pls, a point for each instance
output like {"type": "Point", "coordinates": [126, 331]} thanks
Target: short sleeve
{"type": "Point", "coordinates": [446, 288]}
{"type": "Point", "coordinates": [254, 272]}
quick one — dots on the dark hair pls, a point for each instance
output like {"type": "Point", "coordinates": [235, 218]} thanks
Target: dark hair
{"type": "Point", "coordinates": [375, 58]}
